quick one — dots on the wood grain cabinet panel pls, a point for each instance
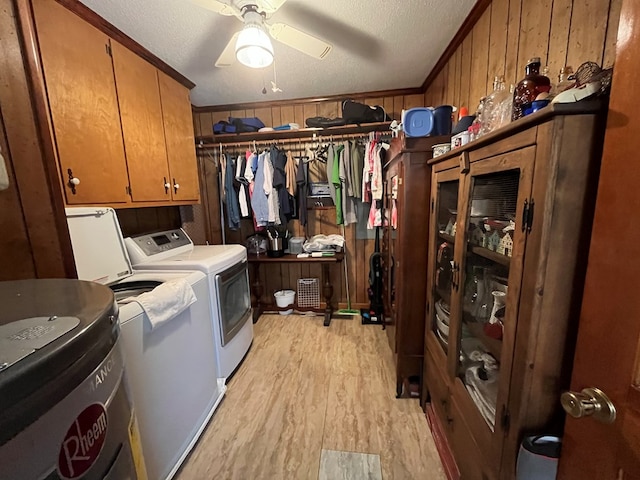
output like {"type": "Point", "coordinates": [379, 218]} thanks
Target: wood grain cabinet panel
{"type": "Point", "coordinates": [83, 104]}
{"type": "Point", "coordinates": [142, 125]}
{"type": "Point", "coordinates": [179, 138]}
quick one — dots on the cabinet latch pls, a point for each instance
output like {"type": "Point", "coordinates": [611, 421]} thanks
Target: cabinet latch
{"type": "Point", "coordinates": [505, 419]}
{"type": "Point", "coordinates": [527, 215]}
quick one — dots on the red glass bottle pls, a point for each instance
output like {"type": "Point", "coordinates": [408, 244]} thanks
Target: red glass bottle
{"type": "Point", "coordinates": [532, 85]}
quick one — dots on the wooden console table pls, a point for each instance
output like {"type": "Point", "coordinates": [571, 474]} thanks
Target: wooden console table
{"type": "Point", "coordinates": [327, 289]}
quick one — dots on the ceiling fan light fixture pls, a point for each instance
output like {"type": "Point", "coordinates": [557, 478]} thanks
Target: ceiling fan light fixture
{"type": "Point", "coordinates": [253, 47]}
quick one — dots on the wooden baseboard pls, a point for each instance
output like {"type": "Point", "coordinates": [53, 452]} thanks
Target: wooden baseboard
{"type": "Point", "coordinates": [442, 445]}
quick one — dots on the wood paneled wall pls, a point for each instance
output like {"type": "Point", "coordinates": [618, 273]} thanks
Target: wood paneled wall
{"type": "Point", "coordinates": [137, 221]}
{"type": "Point", "coordinates": [505, 36]}
{"type": "Point", "coordinates": [560, 32]}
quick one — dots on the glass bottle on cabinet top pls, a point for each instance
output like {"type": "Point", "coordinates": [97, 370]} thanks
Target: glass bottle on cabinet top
{"type": "Point", "coordinates": [529, 87]}
{"type": "Point", "coordinates": [446, 216]}
{"type": "Point", "coordinates": [490, 231]}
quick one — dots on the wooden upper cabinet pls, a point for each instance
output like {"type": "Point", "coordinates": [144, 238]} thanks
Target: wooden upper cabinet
{"type": "Point", "coordinates": [180, 142]}
{"type": "Point", "coordinates": [142, 126]}
{"type": "Point", "coordinates": [84, 108]}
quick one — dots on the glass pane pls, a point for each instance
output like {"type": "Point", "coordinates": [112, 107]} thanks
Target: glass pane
{"type": "Point", "coordinates": [488, 255]}
{"type": "Point", "coordinates": [235, 302]}
{"type": "Point", "coordinates": [446, 212]}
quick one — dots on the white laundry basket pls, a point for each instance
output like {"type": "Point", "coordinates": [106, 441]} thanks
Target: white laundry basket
{"type": "Point", "coordinates": [284, 298]}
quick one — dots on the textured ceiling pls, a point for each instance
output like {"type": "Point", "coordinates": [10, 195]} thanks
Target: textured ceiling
{"type": "Point", "coordinates": [377, 45]}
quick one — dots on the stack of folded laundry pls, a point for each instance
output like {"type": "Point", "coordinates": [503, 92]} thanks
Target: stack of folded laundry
{"type": "Point", "coordinates": [482, 384]}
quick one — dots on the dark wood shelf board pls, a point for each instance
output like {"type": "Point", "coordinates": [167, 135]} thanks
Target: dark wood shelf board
{"type": "Point", "coordinates": [230, 138]}
{"type": "Point", "coordinates": [447, 238]}
{"type": "Point", "coordinates": [491, 255]}
{"type": "Point", "coordinates": [294, 259]}
{"type": "Point", "coordinates": [493, 346]}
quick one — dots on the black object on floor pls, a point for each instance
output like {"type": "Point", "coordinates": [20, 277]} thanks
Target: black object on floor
{"type": "Point", "coordinates": [371, 318]}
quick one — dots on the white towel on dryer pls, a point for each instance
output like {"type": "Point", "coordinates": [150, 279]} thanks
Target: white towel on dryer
{"type": "Point", "coordinates": [166, 301]}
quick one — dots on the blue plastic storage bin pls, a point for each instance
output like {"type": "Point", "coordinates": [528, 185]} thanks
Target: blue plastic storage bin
{"type": "Point", "coordinates": [417, 122]}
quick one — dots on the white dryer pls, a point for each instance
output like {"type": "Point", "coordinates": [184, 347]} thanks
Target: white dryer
{"type": "Point", "coordinates": [227, 269]}
{"type": "Point", "coordinates": [171, 369]}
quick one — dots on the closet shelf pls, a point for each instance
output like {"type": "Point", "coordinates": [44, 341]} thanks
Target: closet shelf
{"type": "Point", "coordinates": [233, 138]}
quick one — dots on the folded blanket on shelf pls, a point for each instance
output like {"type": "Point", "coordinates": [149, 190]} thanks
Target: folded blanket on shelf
{"type": "Point", "coordinates": [483, 392]}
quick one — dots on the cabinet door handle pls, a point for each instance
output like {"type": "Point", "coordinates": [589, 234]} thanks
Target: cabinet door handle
{"type": "Point", "coordinates": [455, 275]}
{"type": "Point", "coordinates": [167, 186]}
{"type": "Point", "coordinates": [525, 215]}
{"type": "Point", "coordinates": [176, 186]}
{"type": "Point", "coordinates": [73, 181]}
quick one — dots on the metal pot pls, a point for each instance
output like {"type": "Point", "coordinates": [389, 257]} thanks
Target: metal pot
{"type": "Point", "coordinates": [276, 247]}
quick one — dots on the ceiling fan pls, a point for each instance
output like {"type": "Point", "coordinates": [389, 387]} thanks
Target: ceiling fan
{"type": "Point", "coordinates": [252, 46]}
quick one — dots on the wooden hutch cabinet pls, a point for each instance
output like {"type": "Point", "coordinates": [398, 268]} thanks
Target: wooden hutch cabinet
{"type": "Point", "coordinates": [404, 256]}
{"type": "Point", "coordinates": [508, 235]}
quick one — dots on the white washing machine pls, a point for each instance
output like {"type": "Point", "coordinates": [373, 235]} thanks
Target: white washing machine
{"type": "Point", "coordinates": [227, 269]}
{"type": "Point", "coordinates": [171, 368]}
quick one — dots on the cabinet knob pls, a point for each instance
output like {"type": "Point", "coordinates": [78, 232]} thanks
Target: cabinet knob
{"type": "Point", "coordinates": [176, 186]}
{"type": "Point", "coordinates": [167, 185]}
{"type": "Point", "coordinates": [72, 181]}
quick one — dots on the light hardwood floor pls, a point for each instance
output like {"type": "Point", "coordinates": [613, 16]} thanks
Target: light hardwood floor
{"type": "Point", "coordinates": [303, 388]}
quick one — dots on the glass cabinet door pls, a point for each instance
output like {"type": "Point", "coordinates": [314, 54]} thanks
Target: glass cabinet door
{"type": "Point", "coordinates": [489, 275]}
{"type": "Point", "coordinates": [443, 223]}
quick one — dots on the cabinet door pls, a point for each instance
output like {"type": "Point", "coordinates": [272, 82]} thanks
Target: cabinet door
{"type": "Point", "coordinates": [84, 107]}
{"type": "Point", "coordinates": [442, 269]}
{"type": "Point", "coordinates": [142, 127]}
{"type": "Point", "coordinates": [493, 236]}
{"type": "Point", "coordinates": [178, 131]}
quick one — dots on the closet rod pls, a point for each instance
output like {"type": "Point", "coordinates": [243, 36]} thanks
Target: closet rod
{"type": "Point", "coordinates": [288, 141]}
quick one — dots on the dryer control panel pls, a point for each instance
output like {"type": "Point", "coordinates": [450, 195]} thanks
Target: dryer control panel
{"type": "Point", "coordinates": [152, 246]}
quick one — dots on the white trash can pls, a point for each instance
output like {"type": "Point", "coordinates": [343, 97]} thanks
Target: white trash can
{"type": "Point", "coordinates": [284, 298]}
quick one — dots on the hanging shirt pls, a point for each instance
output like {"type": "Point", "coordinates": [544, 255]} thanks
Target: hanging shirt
{"type": "Point", "coordinates": [259, 200]}
{"type": "Point", "coordinates": [330, 162]}
{"type": "Point", "coordinates": [233, 208]}
{"type": "Point", "coordinates": [291, 172]}
{"type": "Point", "coordinates": [301, 180]}
{"type": "Point", "coordinates": [349, 215]}
{"type": "Point", "coordinates": [270, 191]}
{"type": "Point", "coordinates": [357, 166]}
{"type": "Point", "coordinates": [337, 183]}
{"type": "Point", "coordinates": [376, 176]}
{"type": "Point", "coordinates": [279, 160]}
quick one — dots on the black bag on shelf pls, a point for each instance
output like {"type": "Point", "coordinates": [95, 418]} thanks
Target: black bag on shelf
{"type": "Point", "coordinates": [355, 112]}
{"type": "Point", "coordinates": [324, 122]}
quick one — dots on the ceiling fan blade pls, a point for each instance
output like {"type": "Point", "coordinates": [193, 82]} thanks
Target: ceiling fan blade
{"type": "Point", "coordinates": [228, 55]}
{"type": "Point", "coordinates": [299, 40]}
{"type": "Point", "coordinates": [222, 7]}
